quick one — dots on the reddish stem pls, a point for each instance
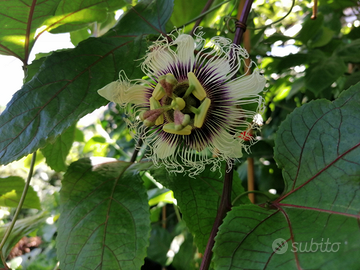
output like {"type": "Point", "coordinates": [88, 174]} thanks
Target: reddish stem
{"type": "Point", "coordinates": [242, 22]}
{"type": "Point", "coordinates": [224, 207]}
{"type": "Point", "coordinates": [225, 203]}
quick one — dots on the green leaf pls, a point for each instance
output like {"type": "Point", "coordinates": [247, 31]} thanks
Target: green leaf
{"type": "Point", "coordinates": [310, 28]}
{"type": "Point", "coordinates": [57, 152]}
{"type": "Point", "coordinates": [22, 227]}
{"type": "Point", "coordinates": [79, 35]}
{"type": "Point", "coordinates": [198, 199]}
{"type": "Point", "coordinates": [186, 10]}
{"type": "Point", "coordinates": [75, 20]}
{"type": "Point", "coordinates": [297, 85]}
{"type": "Point", "coordinates": [11, 189]}
{"type": "Point", "coordinates": [336, 5]}
{"type": "Point", "coordinates": [321, 75]}
{"type": "Point", "coordinates": [292, 60]}
{"type": "Point", "coordinates": [97, 145]}
{"type": "Point", "coordinates": [19, 20]}
{"type": "Point", "coordinates": [34, 67]}
{"type": "Point", "coordinates": [350, 52]}
{"type": "Point", "coordinates": [324, 36]}
{"type": "Point", "coordinates": [156, 196]}
{"type": "Point", "coordinates": [354, 33]}
{"type": "Point", "coordinates": [353, 79]}
{"type": "Point", "coordinates": [160, 241]}
{"type": "Point", "coordinates": [65, 88]}
{"type": "Point", "coordinates": [104, 217]}
{"type": "Point", "coordinates": [314, 224]}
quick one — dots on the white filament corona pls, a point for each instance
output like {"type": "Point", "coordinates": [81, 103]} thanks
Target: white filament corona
{"type": "Point", "coordinates": [186, 131]}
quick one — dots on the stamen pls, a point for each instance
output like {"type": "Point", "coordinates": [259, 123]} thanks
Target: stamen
{"type": "Point", "coordinates": [202, 111]}
{"type": "Point", "coordinates": [150, 117]}
{"type": "Point", "coordinates": [158, 92]}
{"type": "Point", "coordinates": [172, 128]}
{"type": "Point", "coordinates": [155, 104]}
{"type": "Point", "coordinates": [198, 91]}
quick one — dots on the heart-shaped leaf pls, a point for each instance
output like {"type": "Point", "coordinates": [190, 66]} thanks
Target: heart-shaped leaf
{"type": "Point", "coordinates": [315, 223]}
{"type": "Point", "coordinates": [105, 220]}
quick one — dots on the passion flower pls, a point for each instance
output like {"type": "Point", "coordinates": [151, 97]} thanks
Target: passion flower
{"type": "Point", "coordinates": [193, 105]}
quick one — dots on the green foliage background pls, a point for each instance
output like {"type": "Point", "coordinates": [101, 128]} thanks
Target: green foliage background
{"type": "Point", "coordinates": [114, 214]}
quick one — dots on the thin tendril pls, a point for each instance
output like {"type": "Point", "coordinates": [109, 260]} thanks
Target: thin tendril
{"type": "Point", "coordinates": [279, 20]}
{"type": "Point", "coordinates": [21, 202]}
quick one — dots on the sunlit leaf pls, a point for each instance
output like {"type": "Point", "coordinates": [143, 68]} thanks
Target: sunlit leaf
{"type": "Point", "coordinates": [19, 20]}
{"type": "Point", "coordinates": [97, 145]}
{"type": "Point", "coordinates": [65, 88]}
{"type": "Point", "coordinates": [11, 189]}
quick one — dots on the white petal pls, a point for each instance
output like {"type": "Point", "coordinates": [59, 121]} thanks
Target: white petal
{"type": "Point", "coordinates": [108, 91]}
{"type": "Point", "coordinates": [247, 86]}
{"type": "Point", "coordinates": [123, 92]}
{"type": "Point", "coordinates": [227, 145]}
{"type": "Point", "coordinates": [185, 49]}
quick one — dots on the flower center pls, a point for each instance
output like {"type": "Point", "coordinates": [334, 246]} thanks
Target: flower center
{"type": "Point", "coordinates": [184, 105]}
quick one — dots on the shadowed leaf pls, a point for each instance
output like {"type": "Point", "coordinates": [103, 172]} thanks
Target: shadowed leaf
{"type": "Point", "coordinates": [315, 223]}
{"type": "Point", "coordinates": [22, 227]}
{"type": "Point", "coordinates": [321, 75]}
{"type": "Point", "coordinates": [57, 152]}
{"type": "Point", "coordinates": [198, 199]}
{"type": "Point", "coordinates": [105, 219]}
